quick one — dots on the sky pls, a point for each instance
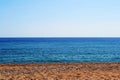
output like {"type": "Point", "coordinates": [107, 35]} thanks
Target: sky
{"type": "Point", "coordinates": [59, 18]}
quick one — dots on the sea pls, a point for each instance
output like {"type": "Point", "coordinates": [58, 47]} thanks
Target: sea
{"type": "Point", "coordinates": [59, 50]}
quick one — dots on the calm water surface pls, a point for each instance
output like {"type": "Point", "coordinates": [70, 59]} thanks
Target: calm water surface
{"type": "Point", "coordinates": [40, 50]}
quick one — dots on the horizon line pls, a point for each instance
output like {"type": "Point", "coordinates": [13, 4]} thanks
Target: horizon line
{"type": "Point", "coordinates": [60, 37]}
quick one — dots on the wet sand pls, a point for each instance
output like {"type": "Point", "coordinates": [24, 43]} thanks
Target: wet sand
{"type": "Point", "coordinates": [60, 71]}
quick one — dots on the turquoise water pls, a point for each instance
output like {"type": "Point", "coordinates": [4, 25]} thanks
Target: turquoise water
{"type": "Point", "coordinates": [42, 50]}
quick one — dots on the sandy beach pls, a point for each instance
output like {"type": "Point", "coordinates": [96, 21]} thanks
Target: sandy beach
{"type": "Point", "coordinates": [60, 71]}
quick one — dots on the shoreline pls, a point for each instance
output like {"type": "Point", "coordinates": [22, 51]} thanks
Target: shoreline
{"type": "Point", "coordinates": [59, 63]}
{"type": "Point", "coordinates": [61, 71]}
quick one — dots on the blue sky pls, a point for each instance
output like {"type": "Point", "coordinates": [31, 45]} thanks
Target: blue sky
{"type": "Point", "coordinates": [59, 18]}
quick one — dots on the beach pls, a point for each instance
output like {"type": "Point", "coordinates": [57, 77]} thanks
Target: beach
{"type": "Point", "coordinates": [60, 71]}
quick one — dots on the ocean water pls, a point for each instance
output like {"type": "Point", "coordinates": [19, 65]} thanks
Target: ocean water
{"type": "Point", "coordinates": [47, 50]}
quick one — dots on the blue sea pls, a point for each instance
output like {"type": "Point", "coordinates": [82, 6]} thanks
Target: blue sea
{"type": "Point", "coordinates": [48, 50]}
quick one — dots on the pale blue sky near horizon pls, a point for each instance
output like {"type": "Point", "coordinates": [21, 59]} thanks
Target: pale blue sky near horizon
{"type": "Point", "coordinates": [59, 18]}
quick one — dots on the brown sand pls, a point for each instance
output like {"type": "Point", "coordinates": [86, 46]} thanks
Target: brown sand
{"type": "Point", "coordinates": [60, 71]}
